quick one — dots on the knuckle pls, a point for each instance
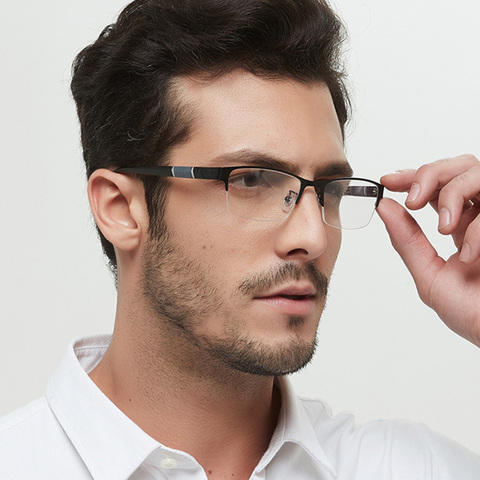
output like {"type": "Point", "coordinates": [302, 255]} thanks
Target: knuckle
{"type": "Point", "coordinates": [459, 180]}
{"type": "Point", "coordinates": [427, 169]}
{"type": "Point", "coordinates": [476, 170]}
{"type": "Point", "coordinates": [466, 160]}
{"type": "Point", "coordinates": [425, 172]}
{"type": "Point", "coordinates": [470, 159]}
{"type": "Point", "coordinates": [464, 185]}
{"type": "Point", "coordinates": [414, 241]}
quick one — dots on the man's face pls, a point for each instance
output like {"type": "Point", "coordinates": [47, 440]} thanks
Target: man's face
{"type": "Point", "coordinates": [248, 294]}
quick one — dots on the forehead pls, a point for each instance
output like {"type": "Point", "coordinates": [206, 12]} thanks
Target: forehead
{"type": "Point", "coordinates": [284, 119]}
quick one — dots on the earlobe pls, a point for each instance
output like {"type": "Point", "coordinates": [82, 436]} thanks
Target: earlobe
{"type": "Point", "coordinates": [118, 207]}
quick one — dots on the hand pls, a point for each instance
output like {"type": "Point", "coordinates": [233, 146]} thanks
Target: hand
{"type": "Point", "coordinates": [451, 287]}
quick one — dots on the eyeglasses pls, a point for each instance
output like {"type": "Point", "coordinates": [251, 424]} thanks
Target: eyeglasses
{"type": "Point", "coordinates": [269, 195]}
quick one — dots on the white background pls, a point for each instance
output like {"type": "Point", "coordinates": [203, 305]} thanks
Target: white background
{"type": "Point", "coordinates": [415, 73]}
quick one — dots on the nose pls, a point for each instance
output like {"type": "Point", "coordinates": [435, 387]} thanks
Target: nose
{"type": "Point", "coordinates": [303, 235]}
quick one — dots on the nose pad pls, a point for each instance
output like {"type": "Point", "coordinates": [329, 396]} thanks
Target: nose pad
{"type": "Point", "coordinates": [289, 201]}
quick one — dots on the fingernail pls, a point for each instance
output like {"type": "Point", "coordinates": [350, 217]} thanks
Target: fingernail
{"type": "Point", "coordinates": [414, 192]}
{"type": "Point", "coordinates": [466, 253]}
{"type": "Point", "coordinates": [443, 218]}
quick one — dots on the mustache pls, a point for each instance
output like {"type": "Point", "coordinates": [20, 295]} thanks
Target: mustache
{"type": "Point", "coordinates": [261, 282]}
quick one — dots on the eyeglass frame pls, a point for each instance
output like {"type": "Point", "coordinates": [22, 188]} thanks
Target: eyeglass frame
{"type": "Point", "coordinates": [223, 174]}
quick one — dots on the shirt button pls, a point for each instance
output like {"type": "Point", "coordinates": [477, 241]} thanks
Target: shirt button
{"type": "Point", "coordinates": [168, 463]}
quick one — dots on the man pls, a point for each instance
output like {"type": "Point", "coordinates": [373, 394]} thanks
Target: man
{"type": "Point", "coordinates": [222, 272]}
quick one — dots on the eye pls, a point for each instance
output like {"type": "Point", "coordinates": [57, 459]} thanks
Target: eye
{"type": "Point", "coordinates": [251, 178]}
{"type": "Point", "coordinates": [337, 189]}
{"type": "Point", "coordinates": [334, 192]}
{"type": "Point", "coordinates": [248, 179]}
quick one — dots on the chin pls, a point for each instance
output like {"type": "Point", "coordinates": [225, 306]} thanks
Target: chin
{"type": "Point", "coordinates": [258, 358]}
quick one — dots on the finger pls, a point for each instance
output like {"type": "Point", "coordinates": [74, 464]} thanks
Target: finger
{"type": "Point", "coordinates": [455, 197]}
{"type": "Point", "coordinates": [469, 244]}
{"type": "Point", "coordinates": [399, 181]}
{"type": "Point", "coordinates": [410, 242]}
{"type": "Point", "coordinates": [402, 180]}
{"type": "Point", "coordinates": [469, 214]}
{"type": "Point", "coordinates": [430, 178]}
{"type": "Point", "coordinates": [423, 185]}
{"type": "Point", "coordinates": [434, 203]}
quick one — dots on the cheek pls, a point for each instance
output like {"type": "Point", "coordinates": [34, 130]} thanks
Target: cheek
{"type": "Point", "coordinates": [216, 243]}
{"type": "Point", "coordinates": [235, 249]}
{"type": "Point", "coordinates": [329, 256]}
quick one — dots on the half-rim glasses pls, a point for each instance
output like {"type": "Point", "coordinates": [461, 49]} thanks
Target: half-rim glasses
{"type": "Point", "coordinates": [269, 195]}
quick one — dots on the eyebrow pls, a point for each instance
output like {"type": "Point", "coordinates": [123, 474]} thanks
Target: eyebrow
{"type": "Point", "coordinates": [336, 168]}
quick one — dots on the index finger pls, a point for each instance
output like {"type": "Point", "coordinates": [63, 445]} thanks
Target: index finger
{"type": "Point", "coordinates": [423, 184]}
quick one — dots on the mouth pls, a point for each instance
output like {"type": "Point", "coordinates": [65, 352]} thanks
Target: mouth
{"type": "Point", "coordinates": [291, 300]}
{"type": "Point", "coordinates": [297, 297]}
{"type": "Point", "coordinates": [292, 292]}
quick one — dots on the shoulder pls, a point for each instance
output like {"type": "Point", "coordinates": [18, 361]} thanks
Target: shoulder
{"type": "Point", "coordinates": [406, 449]}
{"type": "Point", "coordinates": [33, 445]}
{"type": "Point", "coordinates": [21, 421]}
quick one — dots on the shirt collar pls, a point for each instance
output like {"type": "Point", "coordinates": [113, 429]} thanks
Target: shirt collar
{"type": "Point", "coordinates": [112, 446]}
{"type": "Point", "coordinates": [294, 426]}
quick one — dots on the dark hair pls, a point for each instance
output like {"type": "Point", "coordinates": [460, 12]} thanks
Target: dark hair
{"type": "Point", "coordinates": [123, 84]}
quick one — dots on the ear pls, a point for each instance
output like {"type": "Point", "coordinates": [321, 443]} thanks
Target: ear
{"type": "Point", "coordinates": [118, 206]}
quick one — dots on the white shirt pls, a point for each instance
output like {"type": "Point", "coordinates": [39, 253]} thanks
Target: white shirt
{"type": "Point", "coordinates": [77, 433]}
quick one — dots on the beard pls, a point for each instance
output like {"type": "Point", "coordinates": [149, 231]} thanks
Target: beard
{"type": "Point", "coordinates": [183, 293]}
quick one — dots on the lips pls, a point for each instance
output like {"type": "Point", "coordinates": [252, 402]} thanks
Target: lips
{"type": "Point", "coordinates": [293, 292]}
{"type": "Point", "coordinates": [290, 300]}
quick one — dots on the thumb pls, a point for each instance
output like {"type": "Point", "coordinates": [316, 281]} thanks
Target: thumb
{"type": "Point", "coordinates": [412, 245]}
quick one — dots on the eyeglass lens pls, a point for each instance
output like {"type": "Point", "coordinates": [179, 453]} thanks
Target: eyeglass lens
{"type": "Point", "coordinates": [269, 195]}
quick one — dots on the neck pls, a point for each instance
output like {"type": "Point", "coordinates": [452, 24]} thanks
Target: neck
{"type": "Point", "coordinates": [177, 395]}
